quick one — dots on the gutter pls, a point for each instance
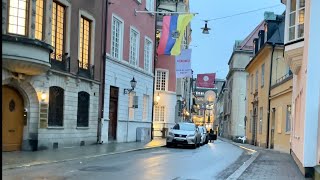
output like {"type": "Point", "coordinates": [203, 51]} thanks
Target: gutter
{"type": "Point", "coordinates": [103, 71]}
{"type": "Point", "coordinates": [154, 66]}
{"type": "Point", "coordinates": [269, 93]}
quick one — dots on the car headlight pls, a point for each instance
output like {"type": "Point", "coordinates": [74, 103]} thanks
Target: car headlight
{"type": "Point", "coordinates": [171, 134]}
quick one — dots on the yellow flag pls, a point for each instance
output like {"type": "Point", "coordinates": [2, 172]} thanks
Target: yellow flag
{"type": "Point", "coordinates": [183, 21]}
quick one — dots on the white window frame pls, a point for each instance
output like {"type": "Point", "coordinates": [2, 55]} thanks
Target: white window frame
{"type": "Point", "coordinates": [288, 119]}
{"type": "Point", "coordinates": [121, 34]}
{"type": "Point", "coordinates": [134, 62]}
{"type": "Point", "coordinates": [159, 112]}
{"type": "Point", "coordinates": [251, 82]}
{"type": "Point", "coordinates": [145, 107]}
{"type": "Point", "coordinates": [296, 21]}
{"type": "Point", "coordinates": [131, 111]}
{"type": "Point", "coordinates": [150, 5]}
{"type": "Point", "coordinates": [89, 16]}
{"type": "Point", "coordinates": [148, 61]}
{"type": "Point", "coordinates": [262, 74]}
{"type": "Point", "coordinates": [257, 81]}
{"type": "Point", "coordinates": [166, 80]}
{"type": "Point", "coordinates": [260, 120]}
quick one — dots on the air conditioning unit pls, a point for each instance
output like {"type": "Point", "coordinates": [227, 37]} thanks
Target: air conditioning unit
{"type": "Point", "coordinates": [143, 134]}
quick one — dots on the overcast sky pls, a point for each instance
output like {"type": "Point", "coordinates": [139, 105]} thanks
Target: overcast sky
{"type": "Point", "coordinates": [214, 50]}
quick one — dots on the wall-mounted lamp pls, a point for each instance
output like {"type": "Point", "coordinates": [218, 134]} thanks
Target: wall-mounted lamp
{"type": "Point", "coordinates": [205, 28]}
{"type": "Point", "coordinates": [157, 99]}
{"type": "Point", "coordinates": [43, 96]}
{"type": "Point", "coordinates": [133, 83]}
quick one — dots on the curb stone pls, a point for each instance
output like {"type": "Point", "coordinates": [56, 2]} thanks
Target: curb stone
{"type": "Point", "coordinates": [25, 165]}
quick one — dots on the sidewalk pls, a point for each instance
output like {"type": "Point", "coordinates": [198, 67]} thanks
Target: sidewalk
{"type": "Point", "coordinates": [18, 159]}
{"type": "Point", "coordinates": [269, 164]}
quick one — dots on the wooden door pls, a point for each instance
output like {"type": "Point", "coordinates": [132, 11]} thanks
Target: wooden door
{"type": "Point", "coordinates": [273, 117]}
{"type": "Point", "coordinates": [113, 113]}
{"type": "Point", "coordinates": [254, 129]}
{"type": "Point", "coordinates": [12, 119]}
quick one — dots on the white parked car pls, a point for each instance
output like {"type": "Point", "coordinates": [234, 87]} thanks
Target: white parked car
{"type": "Point", "coordinates": [184, 134]}
{"type": "Point", "coordinates": [204, 135]}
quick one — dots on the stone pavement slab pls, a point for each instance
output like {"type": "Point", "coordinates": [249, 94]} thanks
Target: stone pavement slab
{"type": "Point", "coordinates": [269, 165]}
{"type": "Point", "coordinates": [27, 158]}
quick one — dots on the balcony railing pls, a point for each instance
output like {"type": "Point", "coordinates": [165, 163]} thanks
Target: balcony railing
{"type": "Point", "coordinates": [63, 65]}
{"type": "Point", "coordinates": [283, 78]}
{"type": "Point", "coordinates": [86, 72]}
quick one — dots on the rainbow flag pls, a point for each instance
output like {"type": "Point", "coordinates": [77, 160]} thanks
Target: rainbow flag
{"type": "Point", "coordinates": [173, 28]}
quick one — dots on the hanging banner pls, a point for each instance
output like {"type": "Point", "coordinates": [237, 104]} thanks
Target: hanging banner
{"type": "Point", "coordinates": [206, 80]}
{"type": "Point", "coordinates": [183, 64]}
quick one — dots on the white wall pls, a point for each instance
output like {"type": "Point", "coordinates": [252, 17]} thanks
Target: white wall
{"type": "Point", "coordinates": [119, 74]}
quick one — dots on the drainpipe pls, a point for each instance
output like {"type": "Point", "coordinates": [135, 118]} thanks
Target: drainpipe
{"type": "Point", "coordinates": [103, 67]}
{"type": "Point", "coordinates": [270, 79]}
{"type": "Point", "coordinates": [154, 65]}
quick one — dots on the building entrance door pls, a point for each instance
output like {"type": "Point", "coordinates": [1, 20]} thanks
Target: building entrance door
{"type": "Point", "coordinates": [113, 113]}
{"type": "Point", "coordinates": [12, 119]}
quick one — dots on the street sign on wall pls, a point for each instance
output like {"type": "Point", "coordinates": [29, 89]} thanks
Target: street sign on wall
{"type": "Point", "coordinates": [206, 80]}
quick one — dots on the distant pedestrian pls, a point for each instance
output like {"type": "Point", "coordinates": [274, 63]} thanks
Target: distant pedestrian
{"type": "Point", "coordinates": [211, 134]}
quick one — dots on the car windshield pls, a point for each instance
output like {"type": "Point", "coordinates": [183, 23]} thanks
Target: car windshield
{"type": "Point", "coordinates": [185, 127]}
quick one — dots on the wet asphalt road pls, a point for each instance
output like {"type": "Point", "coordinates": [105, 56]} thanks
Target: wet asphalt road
{"type": "Point", "coordinates": [202, 163]}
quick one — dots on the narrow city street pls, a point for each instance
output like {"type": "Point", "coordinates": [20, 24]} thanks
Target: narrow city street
{"type": "Point", "coordinates": [206, 162]}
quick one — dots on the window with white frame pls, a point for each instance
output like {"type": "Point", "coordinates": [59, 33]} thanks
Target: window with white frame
{"type": "Point", "coordinates": [257, 80]}
{"type": "Point", "coordinates": [161, 80]}
{"type": "Point", "coordinates": [296, 19]}
{"type": "Point", "coordinates": [134, 47]}
{"type": "Point", "coordinates": [288, 119]}
{"type": "Point", "coordinates": [262, 75]}
{"type": "Point", "coordinates": [130, 104]}
{"type": "Point", "coordinates": [17, 17]}
{"type": "Point", "coordinates": [260, 120]}
{"type": "Point", "coordinates": [117, 37]}
{"type": "Point", "coordinates": [251, 84]}
{"type": "Point", "coordinates": [147, 54]}
{"type": "Point", "coordinates": [150, 5]}
{"type": "Point", "coordinates": [145, 107]}
{"type": "Point", "coordinates": [159, 113]}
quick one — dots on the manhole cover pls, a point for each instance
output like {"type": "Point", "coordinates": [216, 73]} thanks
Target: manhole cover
{"type": "Point", "coordinates": [100, 168]}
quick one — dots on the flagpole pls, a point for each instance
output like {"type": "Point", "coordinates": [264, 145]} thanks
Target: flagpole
{"type": "Point", "coordinates": [160, 12]}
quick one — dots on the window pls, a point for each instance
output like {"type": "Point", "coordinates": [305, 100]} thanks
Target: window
{"type": "Point", "coordinates": [296, 19]}
{"type": "Point", "coordinates": [251, 86]}
{"type": "Point", "coordinates": [159, 113]}
{"type": "Point", "coordinates": [131, 108]}
{"type": "Point", "coordinates": [147, 54]}
{"type": "Point", "coordinates": [58, 29]}
{"type": "Point", "coordinates": [85, 29]}
{"type": "Point", "coordinates": [145, 107]}
{"type": "Point", "coordinates": [260, 120]}
{"type": "Point", "coordinates": [262, 75]}
{"type": "Point", "coordinates": [56, 98]}
{"type": "Point", "coordinates": [288, 119]}
{"type": "Point", "coordinates": [18, 11]}
{"type": "Point", "coordinates": [117, 37]}
{"type": "Point", "coordinates": [251, 121]}
{"type": "Point", "coordinates": [39, 19]}
{"type": "Point", "coordinates": [161, 80]}
{"type": "Point", "coordinates": [150, 5]}
{"type": "Point", "coordinates": [134, 47]}
{"type": "Point", "coordinates": [83, 109]}
{"type": "Point", "coordinates": [257, 75]}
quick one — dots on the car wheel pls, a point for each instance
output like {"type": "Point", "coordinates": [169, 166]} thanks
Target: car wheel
{"type": "Point", "coordinates": [168, 145]}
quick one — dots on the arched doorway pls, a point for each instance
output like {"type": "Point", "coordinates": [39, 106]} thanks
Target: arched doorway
{"type": "Point", "coordinates": [12, 119]}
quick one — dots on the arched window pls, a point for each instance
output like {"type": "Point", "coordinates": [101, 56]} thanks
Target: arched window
{"type": "Point", "coordinates": [83, 109]}
{"type": "Point", "coordinates": [56, 97]}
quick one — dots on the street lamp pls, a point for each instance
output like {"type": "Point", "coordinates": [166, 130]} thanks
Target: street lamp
{"type": "Point", "coordinates": [157, 100]}
{"type": "Point", "coordinates": [205, 28]}
{"type": "Point", "coordinates": [133, 83]}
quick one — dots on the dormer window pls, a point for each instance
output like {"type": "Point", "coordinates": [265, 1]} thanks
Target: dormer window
{"type": "Point", "coordinates": [17, 23]}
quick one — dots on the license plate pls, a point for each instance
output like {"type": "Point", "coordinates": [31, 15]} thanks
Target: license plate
{"type": "Point", "coordinates": [178, 139]}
